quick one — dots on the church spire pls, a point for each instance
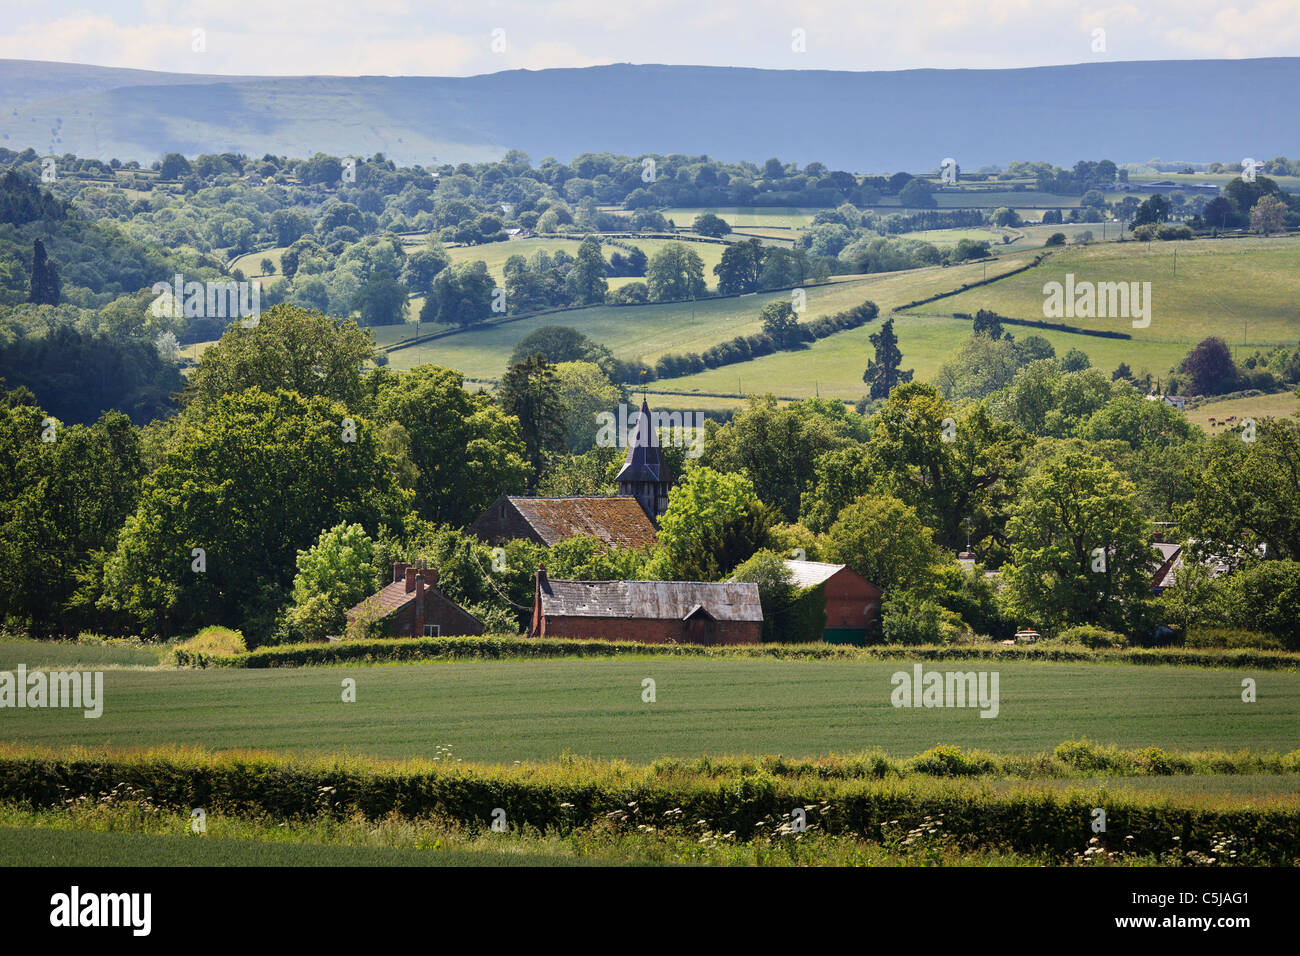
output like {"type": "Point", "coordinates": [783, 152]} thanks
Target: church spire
{"type": "Point", "coordinates": [644, 475]}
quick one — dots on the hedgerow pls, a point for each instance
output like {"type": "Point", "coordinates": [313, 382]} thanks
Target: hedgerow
{"type": "Point", "coordinates": [499, 647]}
{"type": "Point", "coordinates": [576, 793]}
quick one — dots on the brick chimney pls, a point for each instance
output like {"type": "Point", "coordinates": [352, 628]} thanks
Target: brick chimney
{"type": "Point", "coordinates": [537, 625]}
{"type": "Point", "coordinates": [399, 571]}
{"type": "Point", "coordinates": [419, 603]}
{"type": "Point", "coordinates": [410, 578]}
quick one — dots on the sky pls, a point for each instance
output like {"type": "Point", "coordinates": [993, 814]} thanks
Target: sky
{"type": "Point", "coordinates": [467, 37]}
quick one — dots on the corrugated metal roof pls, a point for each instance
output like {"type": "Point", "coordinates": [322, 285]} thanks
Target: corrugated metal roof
{"type": "Point", "coordinates": [614, 520]}
{"type": "Point", "coordinates": [653, 600]}
{"type": "Point", "coordinates": [808, 574]}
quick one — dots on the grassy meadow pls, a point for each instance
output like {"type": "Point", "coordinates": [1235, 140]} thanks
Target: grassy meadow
{"type": "Point", "coordinates": [644, 331]}
{"type": "Point", "coordinates": [1230, 288]}
{"type": "Point", "coordinates": [791, 217]}
{"type": "Point", "coordinates": [1278, 405]}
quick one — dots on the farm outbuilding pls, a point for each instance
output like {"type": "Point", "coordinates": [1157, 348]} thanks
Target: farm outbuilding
{"type": "Point", "coordinates": [651, 612]}
{"type": "Point", "coordinates": [852, 602]}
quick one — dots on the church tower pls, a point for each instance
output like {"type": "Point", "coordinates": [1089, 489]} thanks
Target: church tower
{"type": "Point", "coordinates": [645, 476]}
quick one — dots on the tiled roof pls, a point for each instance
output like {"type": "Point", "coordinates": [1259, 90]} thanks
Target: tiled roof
{"type": "Point", "coordinates": [653, 600]}
{"type": "Point", "coordinates": [809, 574]}
{"type": "Point", "coordinates": [614, 520]}
{"type": "Point", "coordinates": [389, 599]}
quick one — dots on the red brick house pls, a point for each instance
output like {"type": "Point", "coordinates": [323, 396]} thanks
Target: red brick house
{"type": "Point", "coordinates": [614, 520]}
{"type": "Point", "coordinates": [412, 606]}
{"type": "Point", "coordinates": [852, 602]}
{"type": "Point", "coordinates": [652, 612]}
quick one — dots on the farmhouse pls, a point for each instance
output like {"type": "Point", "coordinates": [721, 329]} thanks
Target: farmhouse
{"type": "Point", "coordinates": [412, 606]}
{"type": "Point", "coordinates": [852, 602]}
{"type": "Point", "coordinates": [616, 520]}
{"type": "Point", "coordinates": [652, 612]}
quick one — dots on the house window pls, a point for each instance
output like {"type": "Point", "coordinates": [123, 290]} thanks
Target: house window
{"type": "Point", "coordinates": [431, 630]}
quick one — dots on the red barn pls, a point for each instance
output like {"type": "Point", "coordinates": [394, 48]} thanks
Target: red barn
{"type": "Point", "coordinates": [652, 612]}
{"type": "Point", "coordinates": [852, 602]}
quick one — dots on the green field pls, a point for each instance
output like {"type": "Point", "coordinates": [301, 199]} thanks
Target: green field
{"type": "Point", "coordinates": [950, 237]}
{"type": "Point", "coordinates": [251, 263]}
{"type": "Point", "coordinates": [792, 217]}
{"type": "Point", "coordinates": [495, 254]}
{"type": "Point", "coordinates": [833, 366]}
{"type": "Point", "coordinates": [505, 711]}
{"type": "Point", "coordinates": [1279, 405]}
{"type": "Point", "coordinates": [1228, 288]}
{"type": "Point", "coordinates": [644, 331]}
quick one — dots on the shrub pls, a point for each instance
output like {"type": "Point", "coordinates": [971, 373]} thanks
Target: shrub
{"type": "Point", "coordinates": [1091, 636]}
{"type": "Point", "coordinates": [910, 618]}
{"type": "Point", "coordinates": [1155, 761]}
{"type": "Point", "coordinates": [1231, 637]}
{"type": "Point", "coordinates": [1089, 757]}
{"type": "Point", "coordinates": [949, 761]}
{"type": "Point", "coordinates": [1171, 231]}
{"type": "Point", "coordinates": [211, 641]}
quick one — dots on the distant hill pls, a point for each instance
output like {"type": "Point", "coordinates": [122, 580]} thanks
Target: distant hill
{"type": "Point", "coordinates": [860, 121]}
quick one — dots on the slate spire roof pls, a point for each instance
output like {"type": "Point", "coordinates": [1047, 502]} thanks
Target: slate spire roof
{"type": "Point", "coordinates": [644, 462]}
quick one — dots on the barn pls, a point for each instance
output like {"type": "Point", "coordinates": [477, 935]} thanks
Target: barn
{"type": "Point", "coordinates": [651, 612]}
{"type": "Point", "coordinates": [852, 602]}
{"type": "Point", "coordinates": [412, 606]}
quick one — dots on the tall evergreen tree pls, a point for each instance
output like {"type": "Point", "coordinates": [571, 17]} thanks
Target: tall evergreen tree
{"type": "Point", "coordinates": [884, 374]}
{"type": "Point", "coordinates": [530, 392]}
{"type": "Point", "coordinates": [45, 277]}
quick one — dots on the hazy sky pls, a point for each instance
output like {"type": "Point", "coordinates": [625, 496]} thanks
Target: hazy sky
{"type": "Point", "coordinates": [456, 38]}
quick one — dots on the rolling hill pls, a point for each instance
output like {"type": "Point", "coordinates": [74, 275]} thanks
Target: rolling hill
{"type": "Point", "coordinates": [860, 121]}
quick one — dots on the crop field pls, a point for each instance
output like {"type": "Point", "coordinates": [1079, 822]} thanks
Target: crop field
{"type": "Point", "coordinates": [64, 654]}
{"type": "Point", "coordinates": [52, 845]}
{"type": "Point", "coordinates": [506, 711]}
{"type": "Point", "coordinates": [644, 331]}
